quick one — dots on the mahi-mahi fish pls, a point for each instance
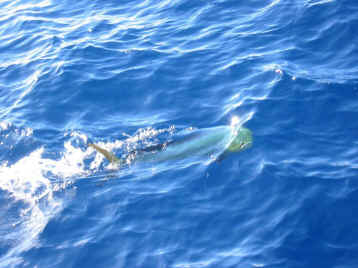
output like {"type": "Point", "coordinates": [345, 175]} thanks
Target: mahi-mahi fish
{"type": "Point", "coordinates": [219, 141]}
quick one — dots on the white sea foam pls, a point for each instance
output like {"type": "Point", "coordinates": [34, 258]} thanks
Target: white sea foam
{"type": "Point", "coordinates": [29, 186]}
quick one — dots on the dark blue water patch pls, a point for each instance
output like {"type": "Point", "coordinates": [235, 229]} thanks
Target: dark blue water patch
{"type": "Point", "coordinates": [318, 214]}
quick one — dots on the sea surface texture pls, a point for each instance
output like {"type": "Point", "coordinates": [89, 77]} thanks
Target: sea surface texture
{"type": "Point", "coordinates": [131, 74]}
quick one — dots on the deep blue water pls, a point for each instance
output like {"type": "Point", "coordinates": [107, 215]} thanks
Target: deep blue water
{"type": "Point", "coordinates": [125, 74]}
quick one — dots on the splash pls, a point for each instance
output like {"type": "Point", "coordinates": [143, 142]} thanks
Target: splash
{"type": "Point", "coordinates": [234, 121]}
{"type": "Point", "coordinates": [29, 190]}
{"type": "Point", "coordinates": [33, 188]}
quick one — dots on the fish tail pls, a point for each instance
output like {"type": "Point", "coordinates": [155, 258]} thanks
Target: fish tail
{"type": "Point", "coordinates": [110, 156]}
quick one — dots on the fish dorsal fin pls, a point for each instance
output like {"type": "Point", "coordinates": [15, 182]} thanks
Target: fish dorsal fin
{"type": "Point", "coordinates": [110, 156]}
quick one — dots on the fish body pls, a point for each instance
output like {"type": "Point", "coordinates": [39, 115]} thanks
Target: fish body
{"type": "Point", "coordinates": [216, 142]}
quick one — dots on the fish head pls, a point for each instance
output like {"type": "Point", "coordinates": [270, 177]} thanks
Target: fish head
{"type": "Point", "coordinates": [241, 141]}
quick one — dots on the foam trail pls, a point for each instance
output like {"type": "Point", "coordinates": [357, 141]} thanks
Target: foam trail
{"type": "Point", "coordinates": [31, 189]}
{"type": "Point", "coordinates": [28, 196]}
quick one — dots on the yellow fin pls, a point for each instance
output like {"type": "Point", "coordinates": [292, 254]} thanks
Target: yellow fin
{"type": "Point", "coordinates": [111, 157]}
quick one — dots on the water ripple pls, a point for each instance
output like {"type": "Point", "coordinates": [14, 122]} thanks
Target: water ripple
{"type": "Point", "coordinates": [73, 72]}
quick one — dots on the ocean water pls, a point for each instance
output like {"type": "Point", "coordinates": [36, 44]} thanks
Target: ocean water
{"type": "Point", "coordinates": [127, 74]}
